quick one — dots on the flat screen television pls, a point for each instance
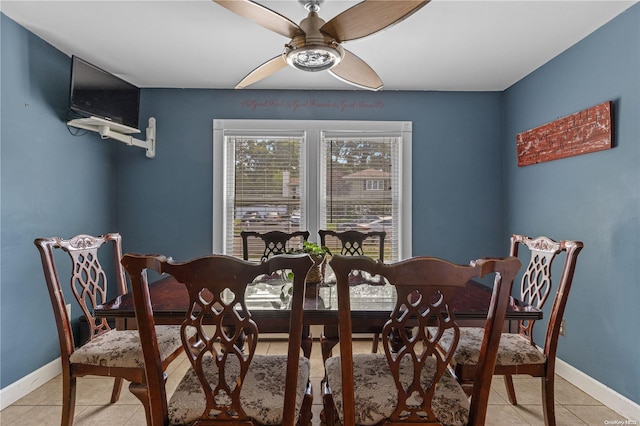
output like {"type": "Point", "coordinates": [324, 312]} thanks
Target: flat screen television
{"type": "Point", "coordinates": [95, 92]}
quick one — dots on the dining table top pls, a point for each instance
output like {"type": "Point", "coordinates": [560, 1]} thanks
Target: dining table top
{"type": "Point", "coordinates": [371, 303]}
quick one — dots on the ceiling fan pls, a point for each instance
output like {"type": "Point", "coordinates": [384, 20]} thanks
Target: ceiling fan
{"type": "Point", "coordinates": [315, 45]}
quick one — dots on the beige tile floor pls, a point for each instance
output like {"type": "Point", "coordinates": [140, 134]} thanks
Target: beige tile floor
{"type": "Point", "coordinates": [43, 406]}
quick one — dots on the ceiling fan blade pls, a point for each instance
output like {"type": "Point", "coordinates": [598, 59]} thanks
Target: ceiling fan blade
{"type": "Point", "coordinates": [355, 71]}
{"type": "Point", "coordinates": [263, 71]}
{"type": "Point", "coordinates": [370, 16]}
{"type": "Point", "coordinates": [262, 16]}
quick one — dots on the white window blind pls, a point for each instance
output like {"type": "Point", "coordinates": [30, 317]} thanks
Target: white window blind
{"type": "Point", "coordinates": [265, 177]}
{"type": "Point", "coordinates": [361, 184]}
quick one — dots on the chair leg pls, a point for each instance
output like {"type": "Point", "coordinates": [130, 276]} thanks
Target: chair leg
{"type": "Point", "coordinates": [548, 405]}
{"type": "Point", "coordinates": [467, 387]}
{"type": "Point", "coordinates": [140, 391]}
{"type": "Point", "coordinates": [307, 405]}
{"type": "Point", "coordinates": [327, 344]}
{"type": "Point", "coordinates": [329, 415]}
{"type": "Point", "coordinates": [307, 341]}
{"type": "Point", "coordinates": [117, 386]}
{"type": "Point", "coordinates": [68, 399]}
{"type": "Point", "coordinates": [511, 391]}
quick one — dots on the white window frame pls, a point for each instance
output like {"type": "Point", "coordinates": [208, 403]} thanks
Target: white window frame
{"type": "Point", "coordinates": [374, 185]}
{"type": "Point", "coordinates": [313, 130]}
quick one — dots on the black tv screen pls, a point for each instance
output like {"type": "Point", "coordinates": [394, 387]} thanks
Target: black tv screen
{"type": "Point", "coordinates": [95, 92]}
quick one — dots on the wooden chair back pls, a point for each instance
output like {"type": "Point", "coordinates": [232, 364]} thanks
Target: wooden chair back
{"type": "Point", "coordinates": [88, 281]}
{"type": "Point", "coordinates": [536, 283]}
{"type": "Point", "coordinates": [216, 285]}
{"type": "Point", "coordinates": [425, 287]}
{"type": "Point", "coordinates": [352, 243]}
{"type": "Point", "coordinates": [275, 242]}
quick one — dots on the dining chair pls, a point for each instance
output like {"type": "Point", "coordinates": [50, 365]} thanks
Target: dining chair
{"type": "Point", "coordinates": [354, 243]}
{"type": "Point", "coordinates": [228, 382]}
{"type": "Point", "coordinates": [108, 352]}
{"type": "Point", "coordinates": [410, 382]}
{"type": "Point", "coordinates": [518, 353]}
{"type": "Point", "coordinates": [273, 242]}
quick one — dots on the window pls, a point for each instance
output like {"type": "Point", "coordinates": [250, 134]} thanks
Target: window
{"type": "Point", "coordinates": [310, 175]}
{"type": "Point", "coordinates": [374, 185]}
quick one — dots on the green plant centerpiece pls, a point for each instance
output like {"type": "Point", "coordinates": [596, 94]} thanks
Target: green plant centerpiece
{"type": "Point", "coordinates": [318, 254]}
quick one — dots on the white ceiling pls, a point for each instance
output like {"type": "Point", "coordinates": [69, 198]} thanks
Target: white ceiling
{"type": "Point", "coordinates": [471, 45]}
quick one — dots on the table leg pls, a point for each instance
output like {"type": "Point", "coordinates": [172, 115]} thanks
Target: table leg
{"type": "Point", "coordinates": [307, 341]}
{"type": "Point", "coordinates": [395, 340]}
{"type": "Point", "coordinates": [328, 340]}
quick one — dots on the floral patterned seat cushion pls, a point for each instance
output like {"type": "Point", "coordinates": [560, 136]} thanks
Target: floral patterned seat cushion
{"type": "Point", "coordinates": [514, 348]}
{"type": "Point", "coordinates": [376, 394]}
{"type": "Point", "coordinates": [121, 348]}
{"type": "Point", "coordinates": [262, 395]}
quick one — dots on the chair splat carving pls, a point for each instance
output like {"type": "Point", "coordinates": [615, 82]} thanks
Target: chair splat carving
{"type": "Point", "coordinates": [275, 242]}
{"type": "Point", "coordinates": [408, 323]}
{"type": "Point", "coordinates": [352, 243]}
{"type": "Point", "coordinates": [88, 279]}
{"type": "Point", "coordinates": [535, 285]}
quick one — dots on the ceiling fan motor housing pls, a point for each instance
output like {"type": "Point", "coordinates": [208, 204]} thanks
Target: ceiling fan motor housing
{"type": "Point", "coordinates": [313, 50]}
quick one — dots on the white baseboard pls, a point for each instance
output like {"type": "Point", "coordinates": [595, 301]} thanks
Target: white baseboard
{"type": "Point", "coordinates": [29, 383]}
{"type": "Point", "coordinates": [607, 396]}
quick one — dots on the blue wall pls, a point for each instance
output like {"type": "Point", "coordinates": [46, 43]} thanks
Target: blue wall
{"type": "Point", "coordinates": [167, 201]}
{"type": "Point", "coordinates": [468, 194]}
{"type": "Point", "coordinates": [53, 184]}
{"type": "Point", "coordinates": [594, 198]}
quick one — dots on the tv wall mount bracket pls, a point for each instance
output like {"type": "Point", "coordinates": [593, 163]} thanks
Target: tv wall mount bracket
{"type": "Point", "coordinates": [120, 132]}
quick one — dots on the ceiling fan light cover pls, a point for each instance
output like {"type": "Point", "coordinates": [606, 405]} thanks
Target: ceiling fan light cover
{"type": "Point", "coordinates": [313, 58]}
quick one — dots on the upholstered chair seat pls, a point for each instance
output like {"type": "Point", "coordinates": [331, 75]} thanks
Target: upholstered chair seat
{"type": "Point", "coordinates": [122, 348]}
{"type": "Point", "coordinates": [515, 349]}
{"type": "Point", "coordinates": [262, 393]}
{"type": "Point", "coordinates": [376, 394]}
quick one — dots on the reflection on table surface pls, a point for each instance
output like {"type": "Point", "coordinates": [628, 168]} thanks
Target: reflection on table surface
{"type": "Point", "coordinates": [274, 292]}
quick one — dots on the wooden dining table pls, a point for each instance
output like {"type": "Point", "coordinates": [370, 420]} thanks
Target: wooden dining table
{"type": "Point", "coordinates": [371, 303]}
